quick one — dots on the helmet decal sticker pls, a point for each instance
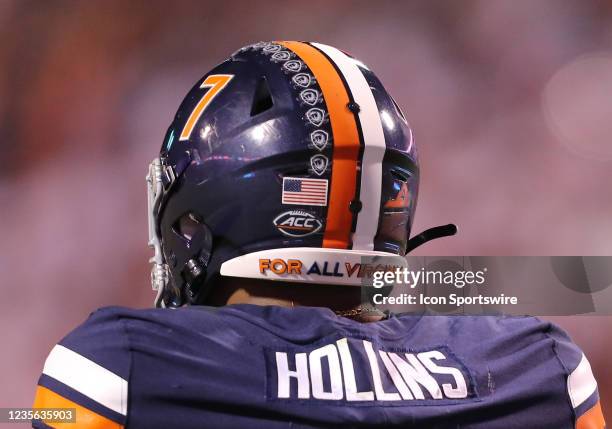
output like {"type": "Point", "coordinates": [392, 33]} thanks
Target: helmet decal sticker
{"type": "Point", "coordinates": [302, 79]}
{"type": "Point", "coordinates": [281, 56]}
{"type": "Point", "coordinates": [304, 191]}
{"type": "Point", "coordinates": [271, 47]}
{"type": "Point", "coordinates": [310, 96]}
{"type": "Point", "coordinates": [308, 264]}
{"type": "Point", "coordinates": [297, 223]}
{"type": "Point", "coordinates": [319, 139]}
{"type": "Point", "coordinates": [293, 65]}
{"type": "Point", "coordinates": [315, 116]}
{"type": "Point", "coordinates": [401, 200]}
{"type": "Point", "coordinates": [214, 83]}
{"type": "Point", "coordinates": [319, 164]}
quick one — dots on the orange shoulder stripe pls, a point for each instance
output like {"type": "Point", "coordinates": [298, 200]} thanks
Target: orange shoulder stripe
{"type": "Point", "coordinates": [592, 419]}
{"type": "Point", "coordinates": [85, 418]}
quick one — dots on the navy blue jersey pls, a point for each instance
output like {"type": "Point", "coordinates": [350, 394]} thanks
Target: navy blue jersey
{"type": "Point", "coordinates": [244, 366]}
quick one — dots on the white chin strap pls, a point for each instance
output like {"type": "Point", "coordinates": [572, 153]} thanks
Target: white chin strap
{"type": "Point", "coordinates": [313, 265]}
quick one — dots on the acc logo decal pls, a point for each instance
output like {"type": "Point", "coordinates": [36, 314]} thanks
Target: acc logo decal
{"type": "Point", "coordinates": [297, 223]}
{"type": "Point", "coordinates": [319, 164]}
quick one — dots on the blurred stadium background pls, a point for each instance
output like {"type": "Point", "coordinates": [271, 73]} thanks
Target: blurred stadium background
{"type": "Point", "coordinates": [511, 103]}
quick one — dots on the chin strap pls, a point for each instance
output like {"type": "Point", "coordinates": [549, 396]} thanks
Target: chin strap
{"type": "Point", "coordinates": [431, 234]}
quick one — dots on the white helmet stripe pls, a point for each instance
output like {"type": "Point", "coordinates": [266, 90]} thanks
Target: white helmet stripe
{"type": "Point", "coordinates": [373, 150]}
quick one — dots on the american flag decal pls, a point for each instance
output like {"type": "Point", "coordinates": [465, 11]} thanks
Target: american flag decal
{"type": "Point", "coordinates": [301, 191]}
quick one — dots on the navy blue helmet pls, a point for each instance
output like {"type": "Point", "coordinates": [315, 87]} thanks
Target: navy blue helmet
{"type": "Point", "coordinates": [288, 161]}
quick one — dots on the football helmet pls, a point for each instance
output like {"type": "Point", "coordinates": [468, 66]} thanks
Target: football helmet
{"type": "Point", "coordinates": [288, 161]}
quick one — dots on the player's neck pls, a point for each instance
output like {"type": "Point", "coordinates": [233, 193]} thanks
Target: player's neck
{"type": "Point", "coordinates": [246, 296]}
{"type": "Point", "coordinates": [343, 300]}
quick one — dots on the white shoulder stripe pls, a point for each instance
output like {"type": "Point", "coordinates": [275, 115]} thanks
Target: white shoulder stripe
{"type": "Point", "coordinates": [581, 383]}
{"type": "Point", "coordinates": [88, 378]}
{"type": "Point", "coordinates": [374, 150]}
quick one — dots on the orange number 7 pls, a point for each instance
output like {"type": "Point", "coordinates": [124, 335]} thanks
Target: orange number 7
{"type": "Point", "coordinates": [216, 82]}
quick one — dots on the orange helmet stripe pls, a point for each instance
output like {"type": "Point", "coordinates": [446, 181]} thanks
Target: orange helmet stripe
{"type": "Point", "coordinates": [346, 145]}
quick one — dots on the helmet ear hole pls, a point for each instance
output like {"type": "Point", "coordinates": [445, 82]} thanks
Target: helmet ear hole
{"type": "Point", "coordinates": [262, 100]}
{"type": "Point", "coordinates": [186, 226]}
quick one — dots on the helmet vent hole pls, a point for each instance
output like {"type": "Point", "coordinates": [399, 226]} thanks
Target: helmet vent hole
{"type": "Point", "coordinates": [262, 100]}
{"type": "Point", "coordinates": [186, 226]}
{"type": "Point", "coordinates": [293, 172]}
{"type": "Point", "coordinates": [399, 176]}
